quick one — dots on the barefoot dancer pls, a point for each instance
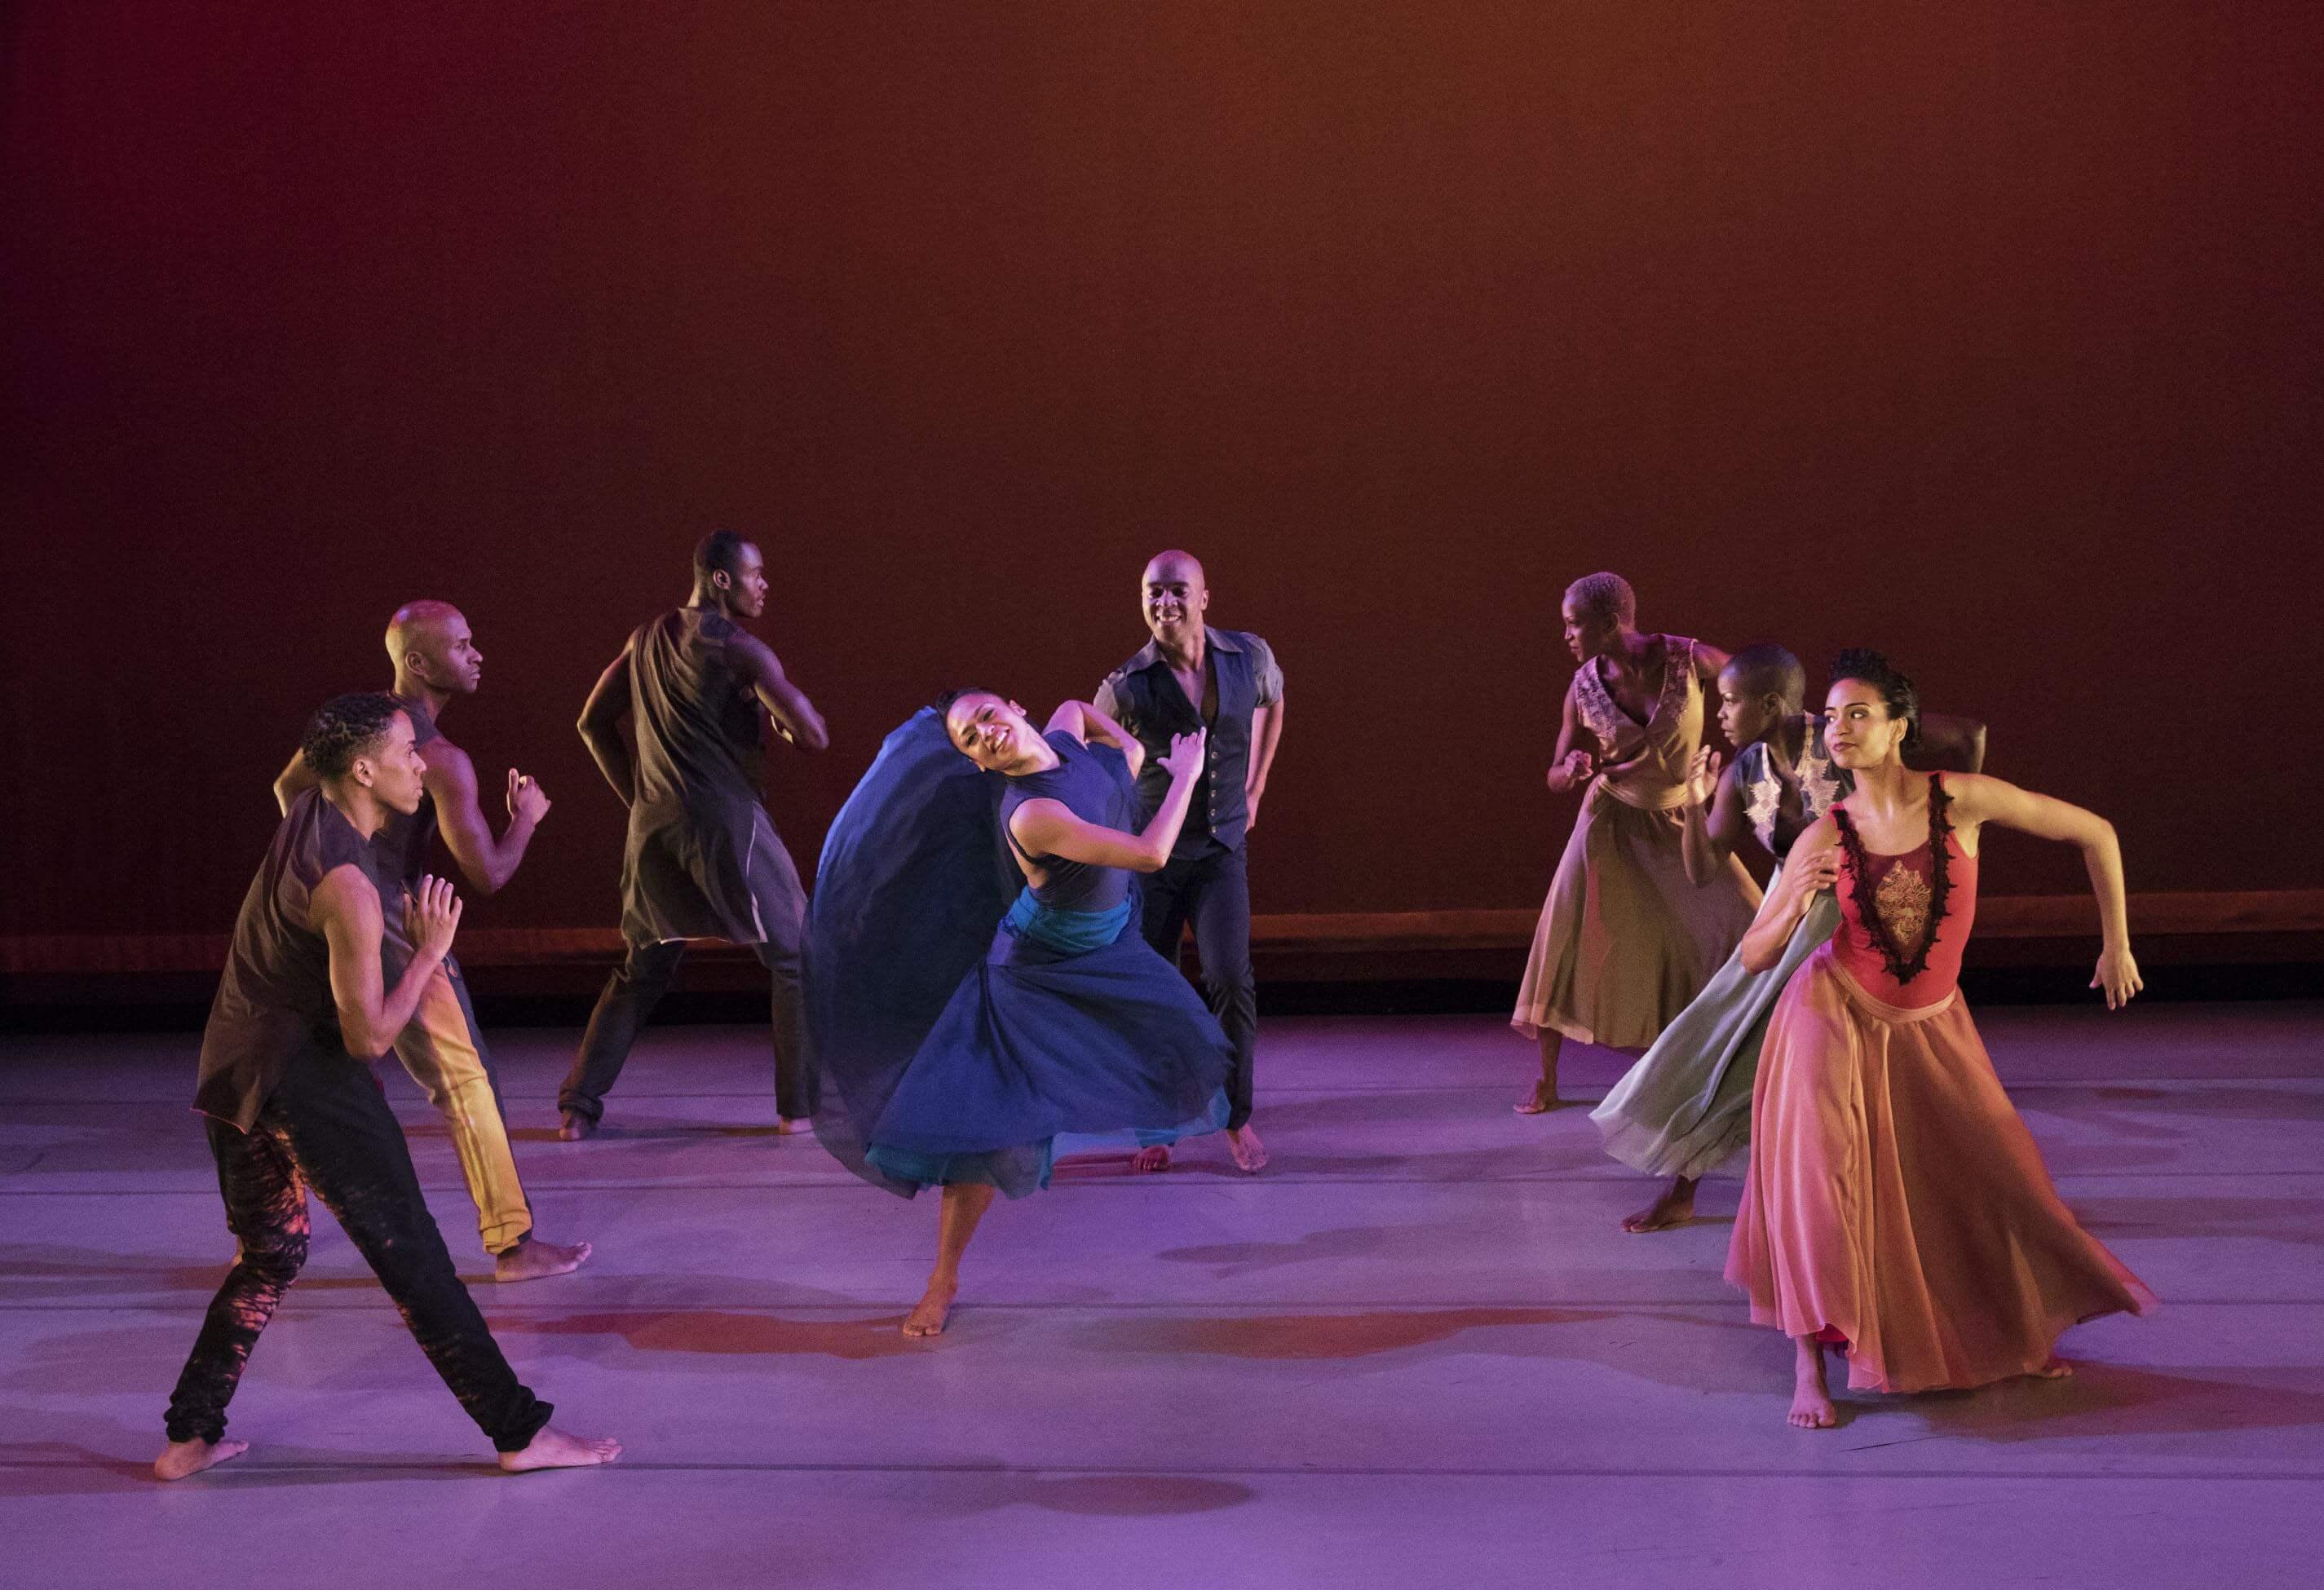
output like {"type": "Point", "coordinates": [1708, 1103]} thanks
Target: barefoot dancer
{"type": "Point", "coordinates": [1686, 1108]}
{"type": "Point", "coordinates": [1896, 1204]}
{"type": "Point", "coordinates": [702, 860]}
{"type": "Point", "coordinates": [1626, 937]}
{"type": "Point", "coordinates": [436, 661]}
{"type": "Point", "coordinates": [1191, 678]}
{"type": "Point", "coordinates": [291, 1103]}
{"type": "Point", "coordinates": [951, 1055]}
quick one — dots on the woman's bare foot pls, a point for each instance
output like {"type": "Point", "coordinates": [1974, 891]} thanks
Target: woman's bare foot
{"type": "Point", "coordinates": [2055, 1369]}
{"type": "Point", "coordinates": [1147, 1161]}
{"type": "Point", "coordinates": [1243, 1147]}
{"type": "Point", "coordinates": [553, 1448]}
{"type": "Point", "coordinates": [1675, 1206]}
{"type": "Point", "coordinates": [532, 1259]}
{"type": "Point", "coordinates": [791, 1126]}
{"type": "Point", "coordinates": [1811, 1406]}
{"type": "Point", "coordinates": [576, 1126]}
{"type": "Point", "coordinates": [180, 1458]}
{"type": "Point", "coordinates": [928, 1318]}
{"type": "Point", "coordinates": [1537, 1105]}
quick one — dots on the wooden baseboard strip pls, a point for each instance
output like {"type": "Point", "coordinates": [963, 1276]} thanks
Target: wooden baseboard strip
{"type": "Point", "coordinates": [2018, 916]}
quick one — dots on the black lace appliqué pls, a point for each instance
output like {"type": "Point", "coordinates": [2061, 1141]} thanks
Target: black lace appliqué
{"type": "Point", "coordinates": [1866, 893]}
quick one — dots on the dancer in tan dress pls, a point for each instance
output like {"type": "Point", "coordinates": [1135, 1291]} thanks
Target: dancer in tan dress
{"type": "Point", "coordinates": [1626, 939]}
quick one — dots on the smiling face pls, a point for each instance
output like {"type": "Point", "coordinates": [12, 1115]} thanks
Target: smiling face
{"type": "Point", "coordinates": [1173, 598]}
{"type": "Point", "coordinates": [1858, 730]}
{"type": "Point", "coordinates": [1745, 714]}
{"type": "Point", "coordinates": [990, 731]}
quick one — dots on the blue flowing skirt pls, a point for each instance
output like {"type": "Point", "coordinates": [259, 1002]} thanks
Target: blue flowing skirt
{"type": "Point", "coordinates": [946, 1051]}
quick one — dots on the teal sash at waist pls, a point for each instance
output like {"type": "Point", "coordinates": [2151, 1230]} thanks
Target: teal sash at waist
{"type": "Point", "coordinates": [1069, 933]}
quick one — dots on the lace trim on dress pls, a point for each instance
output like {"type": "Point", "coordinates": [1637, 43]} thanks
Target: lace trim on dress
{"type": "Point", "coordinates": [1605, 720]}
{"type": "Point", "coordinates": [1868, 895]}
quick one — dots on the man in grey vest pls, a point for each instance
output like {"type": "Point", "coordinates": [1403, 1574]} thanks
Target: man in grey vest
{"type": "Point", "coordinates": [1192, 678]}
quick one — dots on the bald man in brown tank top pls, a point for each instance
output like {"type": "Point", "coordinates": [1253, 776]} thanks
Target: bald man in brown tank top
{"type": "Point", "coordinates": [434, 654]}
{"type": "Point", "coordinates": [703, 859]}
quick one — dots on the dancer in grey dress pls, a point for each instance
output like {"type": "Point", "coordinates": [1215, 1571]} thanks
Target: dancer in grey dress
{"type": "Point", "coordinates": [1686, 1107]}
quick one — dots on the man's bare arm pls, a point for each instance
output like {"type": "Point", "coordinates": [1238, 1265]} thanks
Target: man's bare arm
{"type": "Point", "coordinates": [346, 907]}
{"type": "Point", "coordinates": [294, 780]}
{"type": "Point", "coordinates": [486, 863]}
{"type": "Point", "coordinates": [601, 727]}
{"type": "Point", "coordinates": [1266, 734]}
{"type": "Point", "coordinates": [796, 719]}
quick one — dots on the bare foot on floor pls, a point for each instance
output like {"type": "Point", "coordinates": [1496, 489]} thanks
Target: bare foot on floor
{"type": "Point", "coordinates": [791, 1126]}
{"type": "Point", "coordinates": [1145, 1161]}
{"type": "Point", "coordinates": [553, 1448]}
{"type": "Point", "coordinates": [1248, 1154]}
{"type": "Point", "coordinates": [180, 1458]}
{"type": "Point", "coordinates": [1811, 1406]}
{"type": "Point", "coordinates": [575, 1127]}
{"type": "Point", "coordinates": [1675, 1206]}
{"type": "Point", "coordinates": [1537, 1106]}
{"type": "Point", "coordinates": [2055, 1369]}
{"type": "Point", "coordinates": [531, 1259]}
{"type": "Point", "coordinates": [928, 1318]}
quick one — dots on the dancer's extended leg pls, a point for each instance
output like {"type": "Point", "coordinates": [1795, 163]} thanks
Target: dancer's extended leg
{"type": "Point", "coordinates": [964, 1203]}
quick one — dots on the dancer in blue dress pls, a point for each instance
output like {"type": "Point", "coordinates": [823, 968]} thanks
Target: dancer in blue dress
{"type": "Point", "coordinates": [950, 1055]}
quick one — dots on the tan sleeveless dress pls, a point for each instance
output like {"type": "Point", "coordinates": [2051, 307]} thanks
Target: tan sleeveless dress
{"type": "Point", "coordinates": [1625, 940]}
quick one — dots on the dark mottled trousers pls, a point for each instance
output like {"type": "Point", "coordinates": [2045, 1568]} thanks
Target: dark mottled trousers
{"type": "Point", "coordinates": [638, 985]}
{"type": "Point", "coordinates": [328, 1127]}
{"type": "Point", "coordinates": [1212, 892]}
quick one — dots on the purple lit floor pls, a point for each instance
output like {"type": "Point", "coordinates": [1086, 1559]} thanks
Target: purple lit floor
{"type": "Point", "coordinates": [1416, 1352]}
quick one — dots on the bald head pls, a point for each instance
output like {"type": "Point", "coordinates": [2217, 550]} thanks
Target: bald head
{"type": "Point", "coordinates": [1174, 596]}
{"type": "Point", "coordinates": [433, 650]}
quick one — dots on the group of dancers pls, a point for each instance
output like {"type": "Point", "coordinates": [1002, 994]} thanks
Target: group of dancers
{"type": "Point", "coordinates": [1893, 1204]}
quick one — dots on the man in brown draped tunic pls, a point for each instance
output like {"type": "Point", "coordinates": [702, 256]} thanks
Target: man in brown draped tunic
{"type": "Point", "coordinates": [702, 860]}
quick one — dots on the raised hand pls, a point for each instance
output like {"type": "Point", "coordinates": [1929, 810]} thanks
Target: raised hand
{"type": "Point", "coordinates": [1703, 777]}
{"type": "Point", "coordinates": [1184, 759]}
{"type": "Point", "coordinates": [432, 915]}
{"type": "Point", "coordinates": [2118, 974]}
{"type": "Point", "coordinates": [526, 798]}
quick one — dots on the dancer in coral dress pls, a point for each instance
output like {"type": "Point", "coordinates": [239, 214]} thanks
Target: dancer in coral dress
{"type": "Point", "coordinates": [1895, 1205]}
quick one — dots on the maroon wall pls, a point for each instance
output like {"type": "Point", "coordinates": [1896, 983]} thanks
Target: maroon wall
{"type": "Point", "coordinates": [1988, 333]}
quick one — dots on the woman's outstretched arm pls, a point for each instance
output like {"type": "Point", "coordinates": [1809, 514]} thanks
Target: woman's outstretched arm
{"type": "Point", "coordinates": [1979, 799]}
{"type": "Point", "coordinates": [1812, 867]}
{"type": "Point", "coordinates": [1050, 828]}
{"type": "Point", "coordinates": [1086, 722]}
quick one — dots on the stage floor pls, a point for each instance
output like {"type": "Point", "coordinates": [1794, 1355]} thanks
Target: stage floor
{"type": "Point", "coordinates": [1416, 1352]}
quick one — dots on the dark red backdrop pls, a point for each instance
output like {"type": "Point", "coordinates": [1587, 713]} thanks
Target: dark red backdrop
{"type": "Point", "coordinates": [1988, 333]}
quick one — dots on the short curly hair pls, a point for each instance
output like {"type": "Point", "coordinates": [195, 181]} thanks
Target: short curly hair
{"type": "Point", "coordinates": [344, 728]}
{"type": "Point", "coordinates": [1603, 595]}
{"type": "Point", "coordinates": [1867, 666]}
